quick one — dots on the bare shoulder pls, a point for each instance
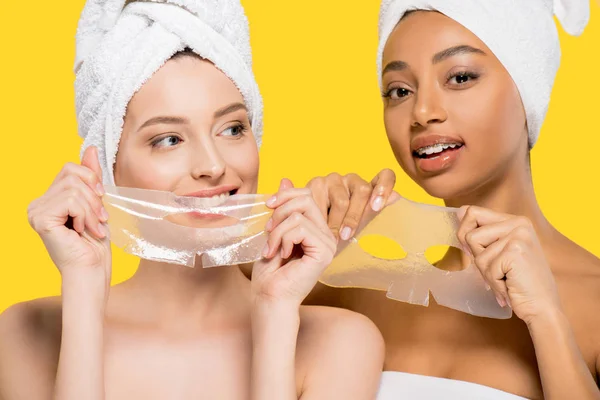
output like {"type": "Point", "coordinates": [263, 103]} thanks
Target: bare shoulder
{"type": "Point", "coordinates": [577, 274]}
{"type": "Point", "coordinates": [575, 266]}
{"type": "Point", "coordinates": [325, 323]}
{"type": "Point", "coordinates": [337, 347]}
{"type": "Point", "coordinates": [29, 348]}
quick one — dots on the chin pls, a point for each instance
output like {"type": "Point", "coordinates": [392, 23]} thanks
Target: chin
{"type": "Point", "coordinates": [444, 186]}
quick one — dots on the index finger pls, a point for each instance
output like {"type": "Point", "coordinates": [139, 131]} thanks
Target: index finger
{"type": "Point", "coordinates": [473, 217]}
{"type": "Point", "coordinates": [383, 185]}
{"type": "Point", "coordinates": [86, 175]}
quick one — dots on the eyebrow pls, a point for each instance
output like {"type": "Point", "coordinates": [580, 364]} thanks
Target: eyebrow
{"type": "Point", "coordinates": [229, 109]}
{"type": "Point", "coordinates": [437, 58]}
{"type": "Point", "coordinates": [454, 51]}
{"type": "Point", "coordinates": [181, 121]}
{"type": "Point", "coordinates": [164, 120]}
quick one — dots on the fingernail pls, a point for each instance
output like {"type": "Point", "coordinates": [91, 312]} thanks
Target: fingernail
{"type": "Point", "coordinates": [265, 251]}
{"type": "Point", "coordinates": [104, 214]}
{"type": "Point", "coordinates": [102, 230]}
{"type": "Point", "coordinates": [271, 201]}
{"type": "Point", "coordinates": [345, 233]}
{"type": "Point", "coordinates": [100, 189]}
{"type": "Point", "coordinates": [377, 203]}
{"type": "Point", "coordinates": [508, 301]}
{"type": "Point", "coordinates": [269, 225]}
{"type": "Point", "coordinates": [500, 301]}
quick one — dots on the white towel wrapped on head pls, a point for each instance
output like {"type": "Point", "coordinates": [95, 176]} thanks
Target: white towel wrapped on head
{"type": "Point", "coordinates": [119, 47]}
{"type": "Point", "coordinates": [521, 34]}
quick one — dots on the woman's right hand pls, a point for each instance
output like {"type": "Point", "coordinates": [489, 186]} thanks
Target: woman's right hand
{"type": "Point", "coordinates": [343, 200]}
{"type": "Point", "coordinates": [70, 218]}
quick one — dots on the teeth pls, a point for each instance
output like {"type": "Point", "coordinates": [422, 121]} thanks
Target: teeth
{"type": "Point", "coordinates": [216, 200]}
{"type": "Point", "coordinates": [436, 148]}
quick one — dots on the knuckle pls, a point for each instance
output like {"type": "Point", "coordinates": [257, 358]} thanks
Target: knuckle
{"type": "Point", "coordinates": [524, 222]}
{"type": "Point", "coordinates": [69, 168]}
{"type": "Point", "coordinates": [522, 231]}
{"type": "Point", "coordinates": [71, 180]}
{"type": "Point", "coordinates": [334, 176]}
{"type": "Point", "coordinates": [317, 183]}
{"type": "Point", "coordinates": [306, 195]}
{"type": "Point", "coordinates": [32, 219]}
{"type": "Point", "coordinates": [471, 212]}
{"type": "Point", "coordinates": [302, 231]}
{"type": "Point", "coordinates": [353, 178]}
{"type": "Point", "coordinates": [470, 237]}
{"type": "Point", "coordinates": [365, 189]}
{"type": "Point", "coordinates": [489, 275]}
{"type": "Point", "coordinates": [515, 245]}
{"type": "Point", "coordinates": [341, 202]}
{"type": "Point", "coordinates": [296, 217]}
{"type": "Point", "coordinates": [352, 219]}
{"type": "Point", "coordinates": [72, 197]}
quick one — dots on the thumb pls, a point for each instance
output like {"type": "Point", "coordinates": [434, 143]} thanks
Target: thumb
{"type": "Point", "coordinates": [90, 160]}
{"type": "Point", "coordinates": [285, 184]}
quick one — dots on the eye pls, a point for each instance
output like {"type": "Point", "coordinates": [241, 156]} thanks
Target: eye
{"type": "Point", "coordinates": [397, 93]}
{"type": "Point", "coordinates": [167, 141]}
{"type": "Point", "coordinates": [235, 131]}
{"type": "Point", "coordinates": [462, 78]}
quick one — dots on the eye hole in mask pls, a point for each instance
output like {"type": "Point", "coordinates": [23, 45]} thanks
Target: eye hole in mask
{"type": "Point", "coordinates": [415, 228]}
{"type": "Point", "coordinates": [435, 255]}
{"type": "Point", "coordinates": [380, 246]}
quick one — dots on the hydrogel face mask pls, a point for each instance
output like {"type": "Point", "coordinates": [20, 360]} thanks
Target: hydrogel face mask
{"type": "Point", "coordinates": [160, 226]}
{"type": "Point", "coordinates": [416, 227]}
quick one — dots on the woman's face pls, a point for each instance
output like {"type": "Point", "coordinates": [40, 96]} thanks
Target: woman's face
{"type": "Point", "coordinates": [187, 131]}
{"type": "Point", "coordinates": [453, 115]}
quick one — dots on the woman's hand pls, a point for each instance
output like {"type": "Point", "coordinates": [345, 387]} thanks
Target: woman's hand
{"type": "Point", "coordinates": [510, 257]}
{"type": "Point", "coordinates": [70, 218]}
{"type": "Point", "coordinates": [300, 246]}
{"type": "Point", "coordinates": [343, 200]}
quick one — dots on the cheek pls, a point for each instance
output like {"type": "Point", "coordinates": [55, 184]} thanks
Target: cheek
{"type": "Point", "coordinates": [490, 117]}
{"type": "Point", "coordinates": [243, 160]}
{"type": "Point", "coordinates": [397, 127]}
{"type": "Point", "coordinates": [144, 170]}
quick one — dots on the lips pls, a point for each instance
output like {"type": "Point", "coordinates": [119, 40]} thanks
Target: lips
{"type": "Point", "coordinates": [213, 192]}
{"type": "Point", "coordinates": [435, 153]}
{"type": "Point", "coordinates": [423, 142]}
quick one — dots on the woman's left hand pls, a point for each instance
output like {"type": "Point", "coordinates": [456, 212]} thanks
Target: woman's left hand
{"type": "Point", "coordinates": [510, 257]}
{"type": "Point", "coordinates": [300, 246]}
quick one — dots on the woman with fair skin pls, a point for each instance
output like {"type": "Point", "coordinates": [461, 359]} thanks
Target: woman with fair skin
{"type": "Point", "coordinates": [173, 332]}
{"type": "Point", "coordinates": [442, 84]}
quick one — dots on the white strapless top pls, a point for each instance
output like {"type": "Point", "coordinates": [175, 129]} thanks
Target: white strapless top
{"type": "Point", "coordinates": [400, 385]}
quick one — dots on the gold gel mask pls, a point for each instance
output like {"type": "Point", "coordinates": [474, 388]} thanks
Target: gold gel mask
{"type": "Point", "coordinates": [416, 227]}
{"type": "Point", "coordinates": [161, 226]}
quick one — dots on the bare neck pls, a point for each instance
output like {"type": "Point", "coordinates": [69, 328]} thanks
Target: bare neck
{"type": "Point", "coordinates": [173, 294]}
{"type": "Point", "coordinates": [511, 193]}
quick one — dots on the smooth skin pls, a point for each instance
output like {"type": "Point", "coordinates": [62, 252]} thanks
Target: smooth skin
{"type": "Point", "coordinates": [442, 80]}
{"type": "Point", "coordinates": [172, 332]}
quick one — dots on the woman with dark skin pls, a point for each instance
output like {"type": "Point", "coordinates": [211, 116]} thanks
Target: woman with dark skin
{"type": "Point", "coordinates": [551, 346]}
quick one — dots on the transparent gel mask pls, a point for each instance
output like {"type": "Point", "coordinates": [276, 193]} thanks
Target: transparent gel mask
{"type": "Point", "coordinates": [161, 226]}
{"type": "Point", "coordinates": [415, 227]}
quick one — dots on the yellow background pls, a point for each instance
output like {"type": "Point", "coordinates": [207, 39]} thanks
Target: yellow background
{"type": "Point", "coordinates": [315, 64]}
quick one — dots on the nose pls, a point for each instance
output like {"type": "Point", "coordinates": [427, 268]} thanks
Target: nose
{"type": "Point", "coordinates": [428, 107]}
{"type": "Point", "coordinates": [207, 162]}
